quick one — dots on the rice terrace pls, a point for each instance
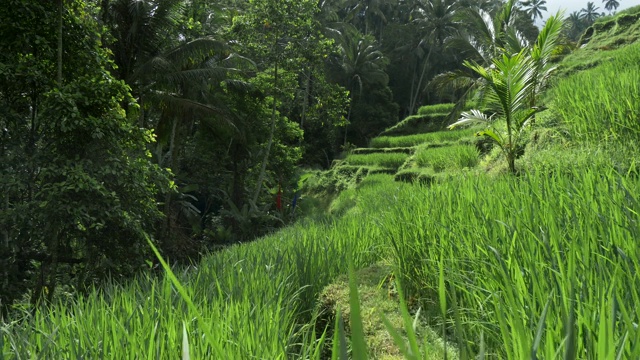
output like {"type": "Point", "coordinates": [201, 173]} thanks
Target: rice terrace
{"type": "Point", "coordinates": [298, 179]}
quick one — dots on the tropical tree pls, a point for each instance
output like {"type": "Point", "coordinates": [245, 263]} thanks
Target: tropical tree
{"type": "Point", "coordinates": [369, 16]}
{"type": "Point", "coordinates": [78, 187]}
{"type": "Point", "coordinates": [611, 5]}
{"type": "Point", "coordinates": [590, 13]}
{"type": "Point", "coordinates": [436, 21]}
{"type": "Point", "coordinates": [285, 36]}
{"type": "Point", "coordinates": [576, 25]}
{"type": "Point", "coordinates": [359, 64]}
{"type": "Point", "coordinates": [485, 38]}
{"type": "Point", "coordinates": [141, 29]}
{"type": "Point", "coordinates": [535, 8]}
{"type": "Point", "coordinates": [511, 84]}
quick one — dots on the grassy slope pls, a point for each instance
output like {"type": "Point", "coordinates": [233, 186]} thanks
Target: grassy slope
{"type": "Point", "coordinates": [558, 242]}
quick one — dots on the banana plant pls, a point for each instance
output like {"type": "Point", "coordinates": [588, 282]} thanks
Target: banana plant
{"type": "Point", "coordinates": [509, 83]}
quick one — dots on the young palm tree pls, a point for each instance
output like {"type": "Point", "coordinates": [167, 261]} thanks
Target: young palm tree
{"type": "Point", "coordinates": [611, 5]}
{"type": "Point", "coordinates": [535, 8]}
{"type": "Point", "coordinates": [509, 83]}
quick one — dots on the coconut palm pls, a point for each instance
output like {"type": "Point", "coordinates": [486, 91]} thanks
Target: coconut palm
{"type": "Point", "coordinates": [371, 15]}
{"type": "Point", "coordinates": [359, 62]}
{"type": "Point", "coordinates": [437, 21]}
{"type": "Point", "coordinates": [486, 38]}
{"type": "Point", "coordinates": [611, 5]}
{"type": "Point", "coordinates": [509, 83]}
{"type": "Point", "coordinates": [535, 8]}
{"type": "Point", "coordinates": [590, 13]}
{"type": "Point", "coordinates": [575, 25]}
{"type": "Point", "coordinates": [139, 27]}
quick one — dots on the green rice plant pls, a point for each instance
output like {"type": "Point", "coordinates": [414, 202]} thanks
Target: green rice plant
{"type": "Point", "coordinates": [600, 105]}
{"type": "Point", "coordinates": [440, 109]}
{"type": "Point", "coordinates": [439, 137]}
{"type": "Point", "coordinates": [251, 299]}
{"type": "Point", "coordinates": [416, 124]}
{"type": "Point", "coordinates": [444, 158]}
{"type": "Point", "coordinates": [541, 266]}
{"type": "Point", "coordinates": [387, 160]}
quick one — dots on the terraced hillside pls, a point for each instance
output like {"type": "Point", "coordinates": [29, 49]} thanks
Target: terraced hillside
{"type": "Point", "coordinates": [417, 149]}
{"type": "Point", "coordinates": [541, 265]}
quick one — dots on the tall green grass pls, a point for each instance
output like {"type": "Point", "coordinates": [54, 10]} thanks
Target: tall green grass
{"type": "Point", "coordinates": [437, 109]}
{"type": "Point", "coordinates": [417, 139]}
{"type": "Point", "coordinates": [251, 300]}
{"type": "Point", "coordinates": [387, 160]}
{"type": "Point", "coordinates": [541, 266]}
{"type": "Point", "coordinates": [453, 157]}
{"type": "Point", "coordinates": [600, 105]}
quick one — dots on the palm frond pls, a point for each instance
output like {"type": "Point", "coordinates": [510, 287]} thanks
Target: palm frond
{"type": "Point", "coordinates": [177, 105]}
{"type": "Point", "coordinates": [473, 116]}
{"type": "Point", "coordinates": [548, 39]}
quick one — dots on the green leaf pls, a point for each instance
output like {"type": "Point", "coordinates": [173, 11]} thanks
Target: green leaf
{"type": "Point", "coordinates": [358, 345]}
{"type": "Point", "coordinates": [185, 343]}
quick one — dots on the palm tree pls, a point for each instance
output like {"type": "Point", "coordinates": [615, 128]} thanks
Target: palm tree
{"type": "Point", "coordinates": [359, 63]}
{"type": "Point", "coordinates": [576, 25]}
{"type": "Point", "coordinates": [611, 5]}
{"type": "Point", "coordinates": [370, 14]}
{"type": "Point", "coordinates": [485, 39]}
{"type": "Point", "coordinates": [590, 13]}
{"type": "Point", "coordinates": [534, 8]}
{"type": "Point", "coordinates": [436, 20]}
{"type": "Point", "coordinates": [138, 27]}
{"type": "Point", "coordinates": [178, 91]}
{"type": "Point", "coordinates": [509, 83]}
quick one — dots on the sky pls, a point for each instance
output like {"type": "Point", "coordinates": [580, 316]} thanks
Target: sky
{"type": "Point", "coordinates": [576, 5]}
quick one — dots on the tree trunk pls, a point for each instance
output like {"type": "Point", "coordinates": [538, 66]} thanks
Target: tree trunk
{"type": "Point", "coordinates": [511, 159]}
{"type": "Point", "coordinates": [263, 168]}
{"type": "Point", "coordinates": [60, 9]}
{"type": "Point", "coordinates": [346, 127]}
{"type": "Point", "coordinates": [418, 89]}
{"type": "Point", "coordinates": [305, 100]}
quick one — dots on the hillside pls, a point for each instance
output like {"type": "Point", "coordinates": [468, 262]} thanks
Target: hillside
{"type": "Point", "coordinates": [531, 265]}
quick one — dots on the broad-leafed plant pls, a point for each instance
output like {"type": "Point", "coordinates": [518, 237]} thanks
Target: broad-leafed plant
{"type": "Point", "coordinates": [508, 84]}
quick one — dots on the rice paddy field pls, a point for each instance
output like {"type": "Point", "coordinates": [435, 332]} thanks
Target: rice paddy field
{"type": "Point", "coordinates": [542, 265]}
{"type": "Point", "coordinates": [387, 160]}
{"type": "Point", "coordinates": [455, 157]}
{"type": "Point", "coordinates": [440, 137]}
